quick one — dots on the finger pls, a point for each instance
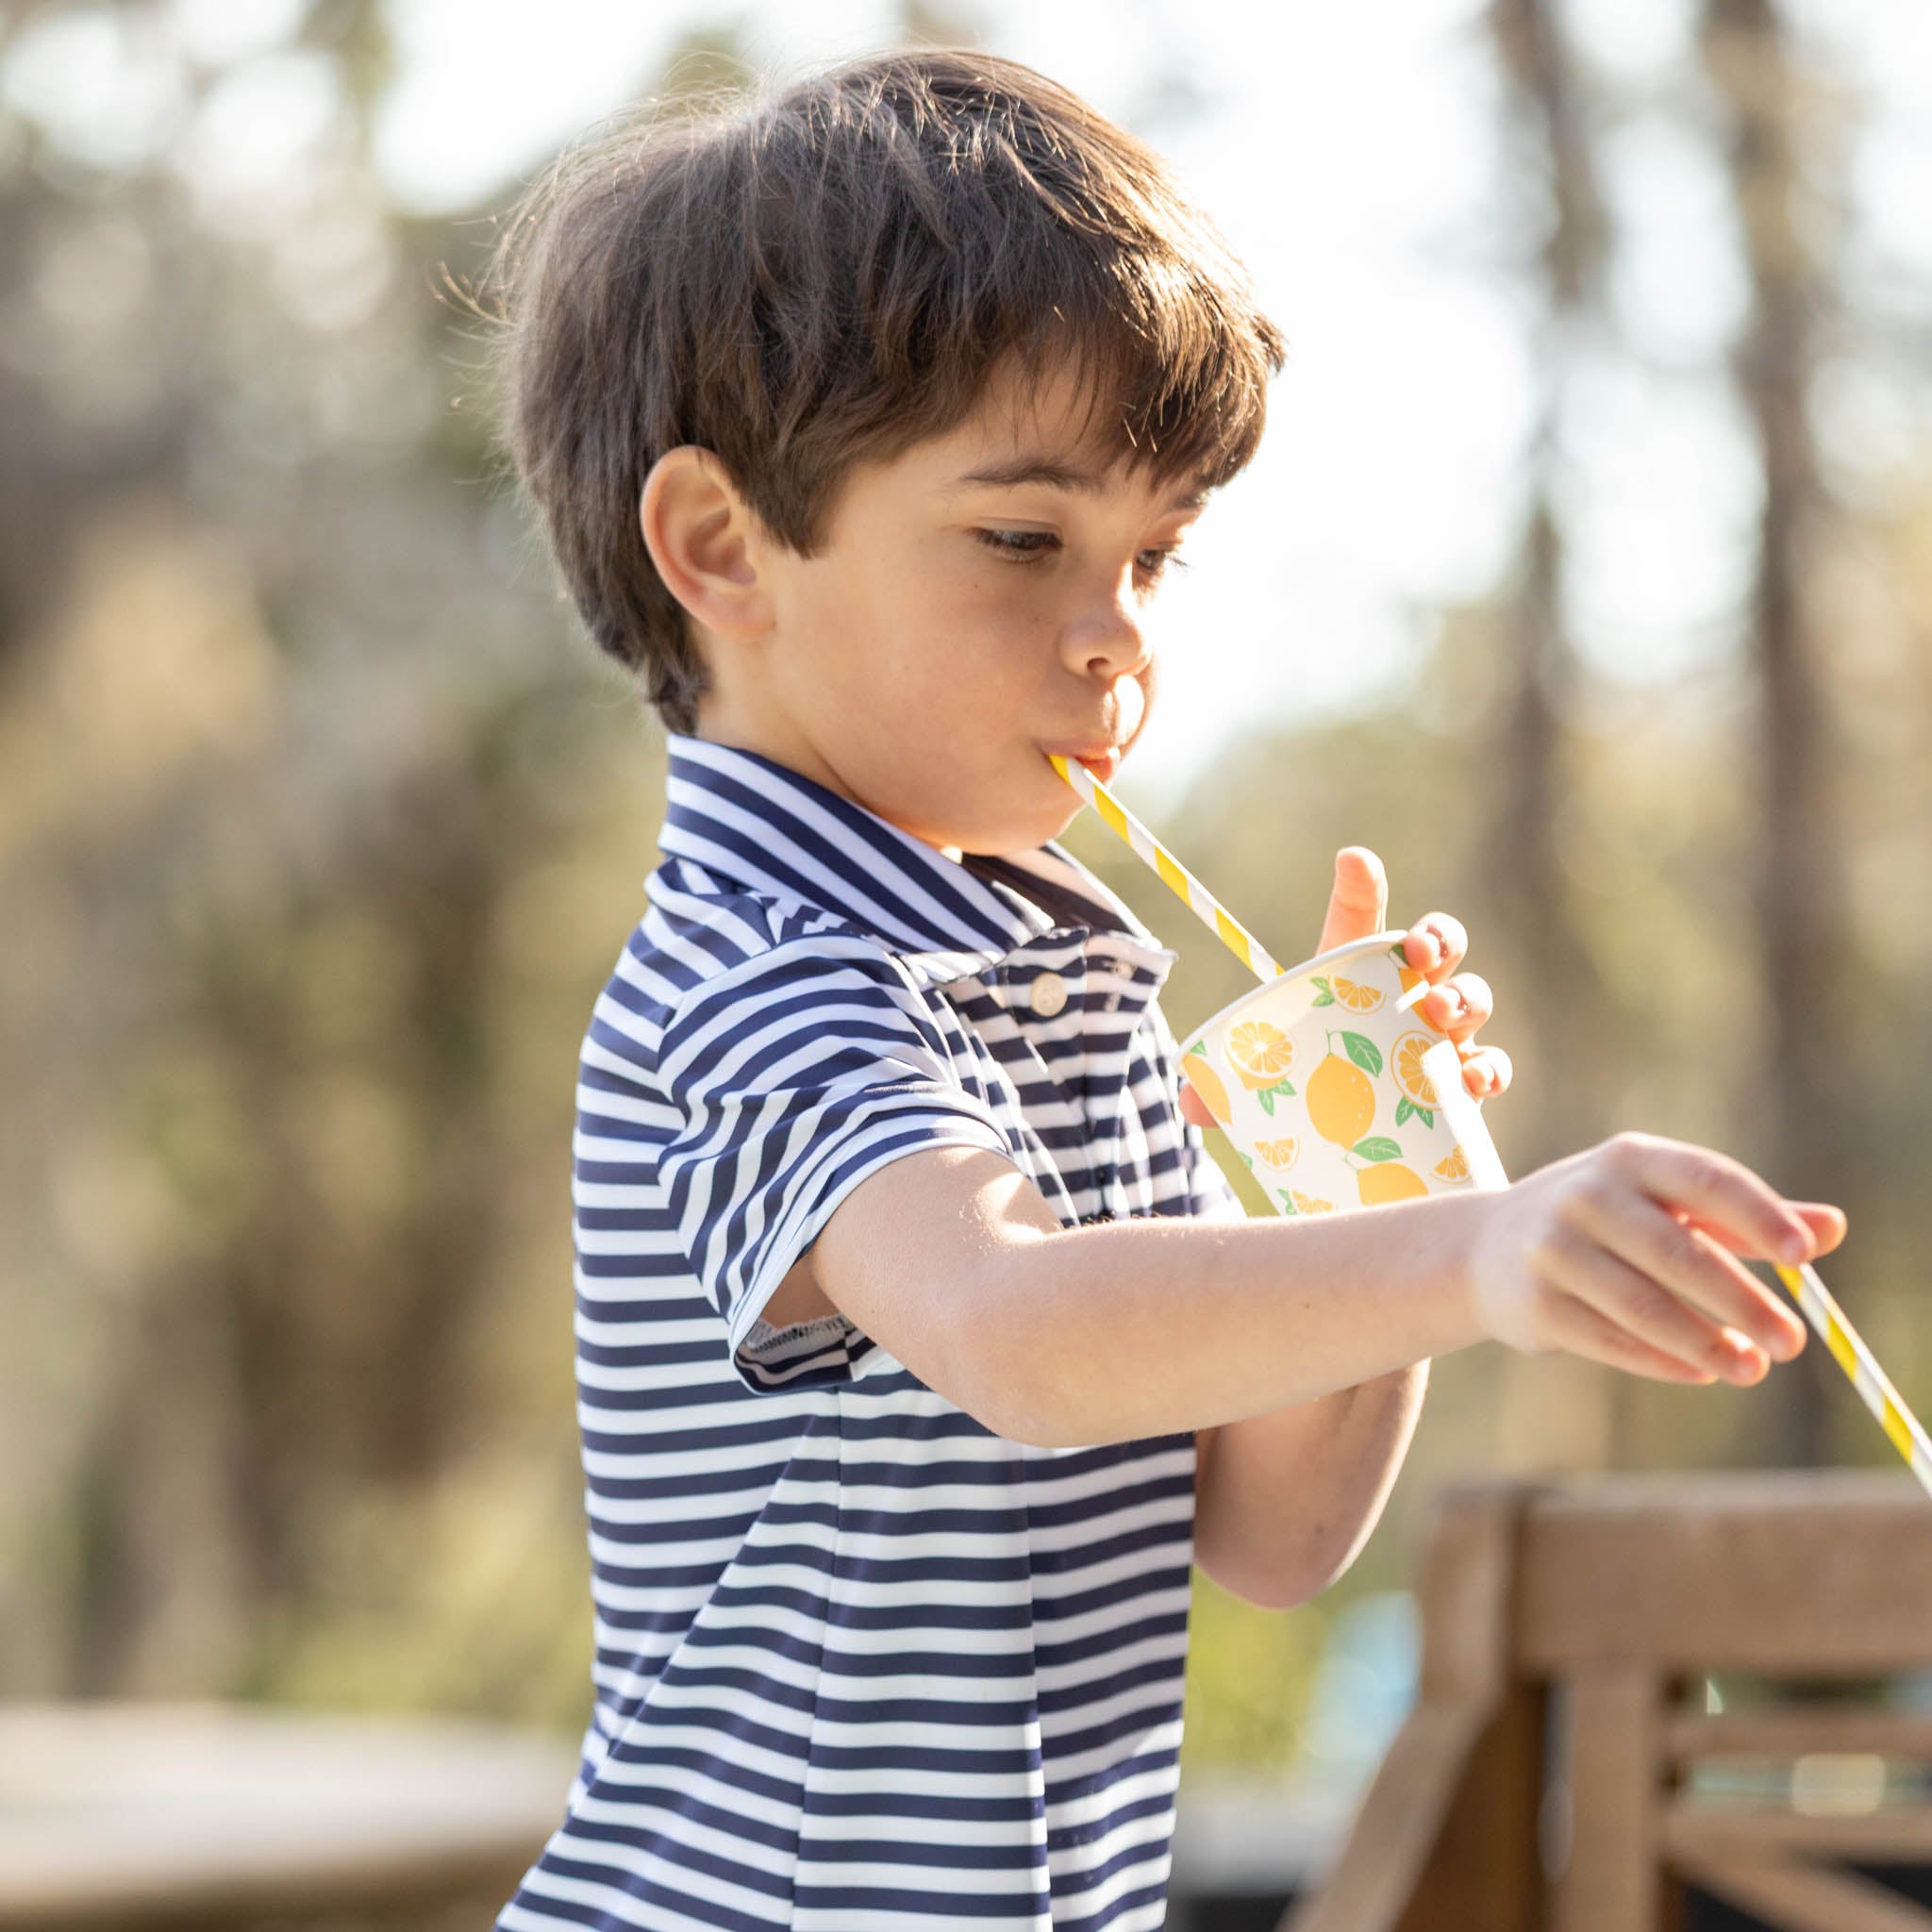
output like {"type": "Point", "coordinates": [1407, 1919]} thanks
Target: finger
{"type": "Point", "coordinates": [1359, 903]}
{"type": "Point", "coordinates": [1435, 945]}
{"type": "Point", "coordinates": [1194, 1109]}
{"type": "Point", "coordinates": [1826, 1222]}
{"type": "Point", "coordinates": [1459, 1006]}
{"type": "Point", "coordinates": [1635, 1301]}
{"type": "Point", "coordinates": [1485, 1070]}
{"type": "Point", "coordinates": [1578, 1329]}
{"type": "Point", "coordinates": [1683, 1261]}
{"type": "Point", "coordinates": [1718, 1190]}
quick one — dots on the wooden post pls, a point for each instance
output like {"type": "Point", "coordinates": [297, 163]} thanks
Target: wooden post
{"type": "Point", "coordinates": [1609, 1883]}
{"type": "Point", "coordinates": [1447, 1834]}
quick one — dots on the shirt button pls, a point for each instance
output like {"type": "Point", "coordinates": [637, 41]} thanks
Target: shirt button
{"type": "Point", "coordinates": [1049, 994]}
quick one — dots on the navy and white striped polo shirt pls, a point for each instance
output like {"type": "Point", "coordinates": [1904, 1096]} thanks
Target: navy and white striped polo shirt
{"type": "Point", "coordinates": [859, 1661]}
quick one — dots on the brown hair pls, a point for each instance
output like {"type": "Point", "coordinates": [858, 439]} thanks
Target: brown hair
{"type": "Point", "coordinates": [826, 276]}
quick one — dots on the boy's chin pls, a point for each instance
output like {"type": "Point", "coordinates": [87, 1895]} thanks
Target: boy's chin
{"type": "Point", "coordinates": [1045, 813]}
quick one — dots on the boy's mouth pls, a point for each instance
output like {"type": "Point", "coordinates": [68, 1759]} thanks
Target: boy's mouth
{"type": "Point", "coordinates": [1103, 764]}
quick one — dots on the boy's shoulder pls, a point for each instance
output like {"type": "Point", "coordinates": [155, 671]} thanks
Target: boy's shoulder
{"type": "Point", "coordinates": [709, 945]}
{"type": "Point", "coordinates": [728, 921]}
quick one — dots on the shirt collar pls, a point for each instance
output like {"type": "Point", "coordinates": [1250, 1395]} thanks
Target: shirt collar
{"type": "Point", "coordinates": [748, 819]}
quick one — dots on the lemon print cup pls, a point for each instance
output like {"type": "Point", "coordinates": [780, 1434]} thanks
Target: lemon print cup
{"type": "Point", "coordinates": [1335, 1092]}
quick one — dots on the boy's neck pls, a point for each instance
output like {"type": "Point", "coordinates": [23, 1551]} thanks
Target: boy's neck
{"type": "Point", "coordinates": [735, 737]}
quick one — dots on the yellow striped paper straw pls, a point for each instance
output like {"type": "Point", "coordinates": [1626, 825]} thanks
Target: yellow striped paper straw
{"type": "Point", "coordinates": [1858, 1362]}
{"type": "Point", "coordinates": [1190, 889]}
{"type": "Point", "coordinates": [1811, 1295]}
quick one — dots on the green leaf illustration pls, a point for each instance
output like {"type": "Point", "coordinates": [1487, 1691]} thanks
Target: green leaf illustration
{"type": "Point", "coordinates": [1200, 1046]}
{"type": "Point", "coordinates": [1378, 1147]}
{"type": "Point", "coordinates": [1288, 1206]}
{"type": "Point", "coordinates": [1363, 1052]}
{"type": "Point", "coordinates": [1250, 1159]}
{"type": "Point", "coordinates": [1327, 998]}
{"type": "Point", "coordinates": [1407, 1110]}
{"type": "Point", "coordinates": [1266, 1096]}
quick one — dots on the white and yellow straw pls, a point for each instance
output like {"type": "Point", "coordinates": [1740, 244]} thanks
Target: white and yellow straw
{"type": "Point", "coordinates": [1187, 888]}
{"type": "Point", "coordinates": [1813, 1298]}
{"type": "Point", "coordinates": [1858, 1362]}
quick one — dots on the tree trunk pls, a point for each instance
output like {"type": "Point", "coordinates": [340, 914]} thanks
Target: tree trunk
{"type": "Point", "coordinates": [1806, 1121]}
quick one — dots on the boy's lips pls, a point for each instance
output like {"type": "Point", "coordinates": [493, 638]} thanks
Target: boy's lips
{"type": "Point", "coordinates": [1102, 763]}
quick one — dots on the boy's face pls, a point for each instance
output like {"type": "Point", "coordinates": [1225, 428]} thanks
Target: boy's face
{"type": "Point", "coordinates": [979, 600]}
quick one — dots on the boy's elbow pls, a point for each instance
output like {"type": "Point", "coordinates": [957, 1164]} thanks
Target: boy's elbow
{"type": "Point", "coordinates": [1282, 1575]}
{"type": "Point", "coordinates": [1008, 1386]}
{"type": "Point", "coordinates": [995, 1362]}
{"type": "Point", "coordinates": [943, 1258]}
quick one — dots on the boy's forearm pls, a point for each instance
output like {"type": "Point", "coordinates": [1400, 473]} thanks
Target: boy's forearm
{"type": "Point", "coordinates": [1162, 1324]}
{"type": "Point", "coordinates": [1283, 1502]}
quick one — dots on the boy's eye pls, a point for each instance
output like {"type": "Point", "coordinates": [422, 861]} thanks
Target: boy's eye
{"type": "Point", "coordinates": [1021, 545]}
{"type": "Point", "coordinates": [1155, 562]}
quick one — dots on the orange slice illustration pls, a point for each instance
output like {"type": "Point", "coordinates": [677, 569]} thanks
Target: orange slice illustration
{"type": "Point", "coordinates": [1279, 1153]}
{"type": "Point", "coordinates": [1454, 1166]}
{"type": "Point", "coordinates": [1409, 978]}
{"type": "Point", "coordinates": [1259, 1052]}
{"type": "Point", "coordinates": [1308, 1203]}
{"type": "Point", "coordinates": [1405, 1057]}
{"type": "Point", "coordinates": [1356, 997]}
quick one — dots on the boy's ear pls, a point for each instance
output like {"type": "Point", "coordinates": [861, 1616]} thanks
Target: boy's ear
{"type": "Point", "coordinates": [705, 543]}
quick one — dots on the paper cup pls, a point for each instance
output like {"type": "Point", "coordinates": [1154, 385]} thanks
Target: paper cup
{"type": "Point", "coordinates": [1335, 1092]}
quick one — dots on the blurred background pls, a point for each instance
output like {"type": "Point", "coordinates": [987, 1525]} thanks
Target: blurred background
{"type": "Point", "coordinates": [1586, 574]}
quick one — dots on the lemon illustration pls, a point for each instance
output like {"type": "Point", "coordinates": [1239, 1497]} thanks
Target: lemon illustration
{"type": "Point", "coordinates": [1308, 1203]}
{"type": "Point", "coordinates": [1259, 1052]}
{"type": "Point", "coordinates": [1454, 1166]}
{"type": "Point", "coordinates": [1405, 1057]}
{"type": "Point", "coordinates": [1389, 1180]}
{"type": "Point", "coordinates": [1207, 1084]}
{"type": "Point", "coordinates": [1341, 1100]}
{"type": "Point", "coordinates": [1354, 996]}
{"type": "Point", "coordinates": [1279, 1153]}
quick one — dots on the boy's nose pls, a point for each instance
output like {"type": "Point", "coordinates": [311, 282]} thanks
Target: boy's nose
{"type": "Point", "coordinates": [1108, 641]}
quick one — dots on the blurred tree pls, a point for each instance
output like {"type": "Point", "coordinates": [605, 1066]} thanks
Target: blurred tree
{"type": "Point", "coordinates": [321, 833]}
{"type": "Point", "coordinates": [1805, 1135]}
{"type": "Point", "coordinates": [1526, 889]}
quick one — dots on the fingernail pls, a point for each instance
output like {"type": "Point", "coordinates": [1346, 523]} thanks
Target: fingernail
{"type": "Point", "coordinates": [1796, 1246]}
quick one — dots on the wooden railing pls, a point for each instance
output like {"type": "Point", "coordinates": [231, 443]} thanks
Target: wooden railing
{"type": "Point", "coordinates": [144, 1816]}
{"type": "Point", "coordinates": [1566, 1768]}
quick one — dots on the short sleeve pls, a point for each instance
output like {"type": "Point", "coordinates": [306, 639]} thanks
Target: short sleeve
{"type": "Point", "coordinates": [795, 1074]}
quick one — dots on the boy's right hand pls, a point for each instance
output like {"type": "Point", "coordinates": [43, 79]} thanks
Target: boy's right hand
{"type": "Point", "coordinates": [1619, 1254]}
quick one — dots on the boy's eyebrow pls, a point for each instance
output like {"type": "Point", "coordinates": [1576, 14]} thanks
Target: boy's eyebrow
{"type": "Point", "coordinates": [1056, 472]}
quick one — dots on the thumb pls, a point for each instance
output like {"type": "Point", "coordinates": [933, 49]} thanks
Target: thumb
{"type": "Point", "coordinates": [1358, 905]}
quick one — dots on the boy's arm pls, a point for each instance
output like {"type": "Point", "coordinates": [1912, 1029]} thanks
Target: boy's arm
{"type": "Point", "coordinates": [953, 1261]}
{"type": "Point", "coordinates": [1285, 1502]}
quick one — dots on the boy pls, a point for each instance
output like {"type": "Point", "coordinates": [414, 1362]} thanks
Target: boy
{"type": "Point", "coordinates": [921, 1344]}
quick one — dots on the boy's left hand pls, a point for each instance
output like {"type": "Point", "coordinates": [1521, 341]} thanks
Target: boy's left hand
{"type": "Point", "coordinates": [1457, 1003]}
